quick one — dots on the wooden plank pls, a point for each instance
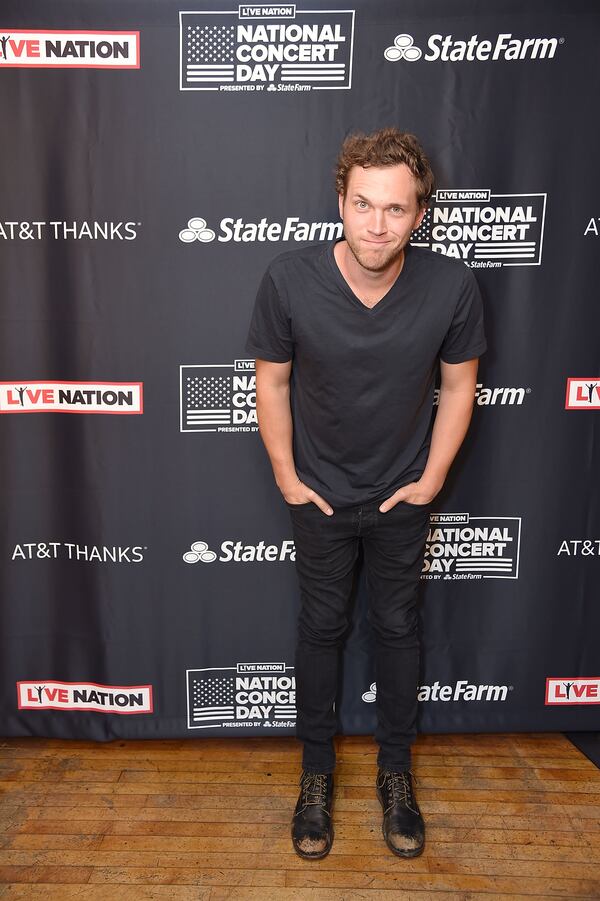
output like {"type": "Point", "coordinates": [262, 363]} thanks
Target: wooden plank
{"type": "Point", "coordinates": [50, 892]}
{"type": "Point", "coordinates": [381, 862]}
{"type": "Point", "coordinates": [373, 846]}
{"type": "Point", "coordinates": [474, 829]}
{"type": "Point", "coordinates": [61, 892]}
{"type": "Point", "coordinates": [282, 761]}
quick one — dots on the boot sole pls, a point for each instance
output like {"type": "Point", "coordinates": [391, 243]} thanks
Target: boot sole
{"type": "Point", "coordinates": [412, 853]}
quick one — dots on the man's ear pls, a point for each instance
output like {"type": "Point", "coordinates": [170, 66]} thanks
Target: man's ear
{"type": "Point", "coordinates": [419, 218]}
{"type": "Point", "coordinates": [341, 205]}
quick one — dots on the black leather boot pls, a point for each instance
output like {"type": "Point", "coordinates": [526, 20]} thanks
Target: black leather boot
{"type": "Point", "coordinates": [403, 827]}
{"type": "Point", "coordinates": [312, 824]}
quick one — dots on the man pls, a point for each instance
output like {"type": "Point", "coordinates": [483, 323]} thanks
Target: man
{"type": "Point", "coordinates": [348, 337]}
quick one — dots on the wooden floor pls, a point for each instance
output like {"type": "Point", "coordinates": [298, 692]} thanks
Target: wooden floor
{"type": "Point", "coordinates": [507, 816]}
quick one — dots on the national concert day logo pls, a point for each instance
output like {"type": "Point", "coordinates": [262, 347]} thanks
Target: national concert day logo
{"type": "Point", "coordinates": [461, 546]}
{"type": "Point", "coordinates": [583, 394]}
{"type": "Point", "coordinates": [25, 47]}
{"type": "Point", "coordinates": [84, 696]}
{"type": "Point", "coordinates": [266, 48]}
{"type": "Point", "coordinates": [484, 230]}
{"type": "Point", "coordinates": [244, 695]}
{"type": "Point", "coordinates": [218, 397]}
{"type": "Point", "coordinates": [576, 690]}
{"type": "Point", "coordinates": [71, 397]}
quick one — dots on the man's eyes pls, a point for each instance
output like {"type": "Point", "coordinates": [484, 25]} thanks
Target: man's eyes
{"type": "Point", "coordinates": [362, 205]}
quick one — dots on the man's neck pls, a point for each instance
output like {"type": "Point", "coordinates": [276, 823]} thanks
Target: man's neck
{"type": "Point", "coordinates": [366, 284]}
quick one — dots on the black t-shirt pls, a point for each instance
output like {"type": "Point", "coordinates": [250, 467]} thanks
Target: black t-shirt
{"type": "Point", "coordinates": [362, 383]}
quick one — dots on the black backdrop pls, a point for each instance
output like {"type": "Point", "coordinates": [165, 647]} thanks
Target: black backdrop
{"type": "Point", "coordinates": [146, 555]}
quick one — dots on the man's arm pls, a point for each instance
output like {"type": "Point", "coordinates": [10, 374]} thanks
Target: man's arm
{"type": "Point", "coordinates": [457, 393]}
{"type": "Point", "coordinates": [276, 430]}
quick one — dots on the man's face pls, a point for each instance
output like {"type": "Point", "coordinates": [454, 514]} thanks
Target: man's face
{"type": "Point", "coordinates": [379, 211]}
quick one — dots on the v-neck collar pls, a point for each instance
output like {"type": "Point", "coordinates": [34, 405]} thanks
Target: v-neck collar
{"type": "Point", "coordinates": [343, 284]}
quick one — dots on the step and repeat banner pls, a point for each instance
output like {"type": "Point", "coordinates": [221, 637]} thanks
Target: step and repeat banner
{"type": "Point", "coordinates": [155, 156]}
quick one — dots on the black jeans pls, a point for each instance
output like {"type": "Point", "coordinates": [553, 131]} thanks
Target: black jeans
{"type": "Point", "coordinates": [326, 554]}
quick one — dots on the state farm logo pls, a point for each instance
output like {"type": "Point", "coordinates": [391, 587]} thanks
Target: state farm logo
{"type": "Point", "coordinates": [474, 49]}
{"type": "Point", "coordinates": [199, 553]}
{"type": "Point", "coordinates": [461, 546]}
{"type": "Point", "coordinates": [459, 691]}
{"type": "Point", "coordinates": [237, 552]}
{"type": "Point", "coordinates": [84, 553]}
{"type": "Point", "coordinates": [84, 696]}
{"type": "Point", "coordinates": [484, 230]}
{"type": "Point", "coordinates": [196, 231]}
{"type": "Point", "coordinates": [403, 48]}
{"type": "Point", "coordinates": [583, 394]}
{"type": "Point", "coordinates": [219, 397]}
{"type": "Point", "coordinates": [72, 230]}
{"type": "Point", "coordinates": [577, 690]}
{"type": "Point", "coordinates": [491, 397]}
{"type": "Point", "coordinates": [244, 695]}
{"type": "Point", "coordinates": [242, 232]}
{"type": "Point", "coordinates": [273, 48]}
{"type": "Point", "coordinates": [71, 397]}
{"type": "Point", "coordinates": [24, 47]}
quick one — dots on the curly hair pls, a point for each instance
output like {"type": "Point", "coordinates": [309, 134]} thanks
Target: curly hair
{"type": "Point", "coordinates": [386, 147]}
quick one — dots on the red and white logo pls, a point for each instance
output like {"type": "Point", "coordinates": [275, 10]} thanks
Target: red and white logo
{"type": "Point", "coordinates": [71, 397]}
{"type": "Point", "coordinates": [577, 690]}
{"type": "Point", "coordinates": [84, 696]}
{"type": "Point", "coordinates": [49, 49]}
{"type": "Point", "coordinates": [583, 394]}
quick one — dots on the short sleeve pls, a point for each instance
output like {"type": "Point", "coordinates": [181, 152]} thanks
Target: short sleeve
{"type": "Point", "coordinates": [465, 339]}
{"type": "Point", "coordinates": [270, 333]}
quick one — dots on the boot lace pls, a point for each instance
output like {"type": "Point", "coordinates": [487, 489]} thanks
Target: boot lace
{"type": "Point", "coordinates": [400, 788]}
{"type": "Point", "coordinates": [314, 788]}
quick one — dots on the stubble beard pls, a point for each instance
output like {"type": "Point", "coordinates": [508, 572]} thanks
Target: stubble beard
{"type": "Point", "coordinates": [374, 261]}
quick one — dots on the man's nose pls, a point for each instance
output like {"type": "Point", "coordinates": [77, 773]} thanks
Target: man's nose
{"type": "Point", "coordinates": [377, 224]}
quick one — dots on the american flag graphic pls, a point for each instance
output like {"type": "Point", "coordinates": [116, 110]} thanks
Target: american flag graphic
{"type": "Point", "coordinates": [207, 400]}
{"type": "Point", "coordinates": [211, 699]}
{"type": "Point", "coordinates": [209, 53]}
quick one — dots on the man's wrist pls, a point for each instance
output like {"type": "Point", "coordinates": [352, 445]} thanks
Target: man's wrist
{"type": "Point", "coordinates": [432, 482]}
{"type": "Point", "coordinates": [286, 479]}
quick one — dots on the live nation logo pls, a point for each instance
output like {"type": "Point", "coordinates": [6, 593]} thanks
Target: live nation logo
{"type": "Point", "coordinates": [583, 394]}
{"type": "Point", "coordinates": [244, 695]}
{"type": "Point", "coordinates": [484, 230]}
{"type": "Point", "coordinates": [263, 47]}
{"type": "Point", "coordinates": [461, 546]}
{"type": "Point", "coordinates": [25, 47]}
{"type": "Point", "coordinates": [54, 695]}
{"type": "Point", "coordinates": [218, 397]}
{"type": "Point", "coordinates": [71, 397]}
{"type": "Point", "coordinates": [576, 690]}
